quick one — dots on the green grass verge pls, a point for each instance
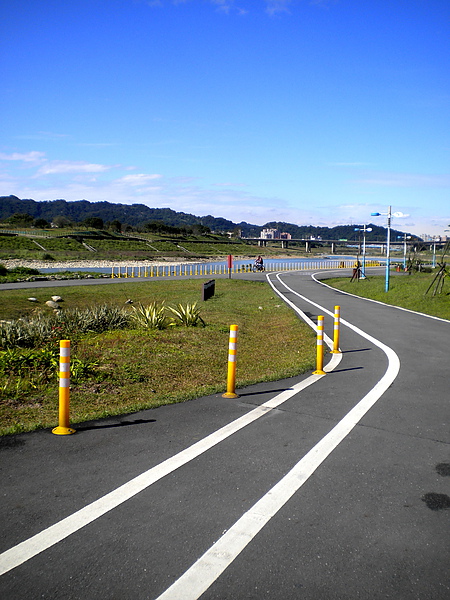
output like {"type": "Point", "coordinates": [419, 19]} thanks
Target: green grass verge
{"type": "Point", "coordinates": [407, 291]}
{"type": "Point", "coordinates": [138, 369]}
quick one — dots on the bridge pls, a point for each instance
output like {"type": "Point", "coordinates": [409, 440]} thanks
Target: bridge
{"type": "Point", "coordinates": [417, 244]}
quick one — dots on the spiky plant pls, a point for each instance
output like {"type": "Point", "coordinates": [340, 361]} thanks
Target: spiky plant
{"type": "Point", "coordinates": [188, 315]}
{"type": "Point", "coordinates": [152, 316]}
{"type": "Point", "coordinates": [97, 319]}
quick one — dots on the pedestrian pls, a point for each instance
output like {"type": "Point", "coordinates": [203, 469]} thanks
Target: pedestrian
{"type": "Point", "coordinates": [356, 271]}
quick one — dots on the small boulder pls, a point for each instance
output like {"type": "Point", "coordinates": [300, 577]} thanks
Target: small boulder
{"type": "Point", "coordinates": [32, 299]}
{"type": "Point", "coordinates": [52, 304]}
{"type": "Point", "coordinates": [57, 299]}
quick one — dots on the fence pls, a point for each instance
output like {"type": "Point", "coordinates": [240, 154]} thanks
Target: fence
{"type": "Point", "coordinates": [207, 269]}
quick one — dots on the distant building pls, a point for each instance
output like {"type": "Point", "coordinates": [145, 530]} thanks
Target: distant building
{"type": "Point", "coordinates": [270, 234]}
{"type": "Point", "coordinates": [274, 234]}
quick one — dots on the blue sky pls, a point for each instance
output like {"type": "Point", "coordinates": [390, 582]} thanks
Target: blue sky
{"type": "Point", "coordinates": [315, 112]}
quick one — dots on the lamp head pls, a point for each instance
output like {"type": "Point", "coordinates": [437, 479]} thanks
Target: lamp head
{"type": "Point", "coordinates": [375, 214]}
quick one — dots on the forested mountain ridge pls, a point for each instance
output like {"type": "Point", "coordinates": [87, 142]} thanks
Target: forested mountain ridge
{"type": "Point", "coordinates": [137, 215]}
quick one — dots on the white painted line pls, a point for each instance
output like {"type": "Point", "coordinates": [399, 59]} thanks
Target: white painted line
{"type": "Point", "coordinates": [198, 578]}
{"type": "Point", "coordinates": [25, 550]}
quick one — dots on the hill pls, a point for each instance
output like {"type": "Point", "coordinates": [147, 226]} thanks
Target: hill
{"type": "Point", "coordinates": [137, 215]}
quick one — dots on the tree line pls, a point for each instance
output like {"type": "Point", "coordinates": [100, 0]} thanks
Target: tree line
{"type": "Point", "coordinates": [138, 217]}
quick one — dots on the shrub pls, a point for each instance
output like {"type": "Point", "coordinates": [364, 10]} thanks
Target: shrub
{"type": "Point", "coordinates": [45, 328]}
{"type": "Point", "coordinates": [23, 271]}
{"type": "Point", "coordinates": [26, 334]}
{"type": "Point", "coordinates": [188, 315]}
{"type": "Point", "coordinates": [152, 316]}
{"type": "Point", "coordinates": [97, 319]}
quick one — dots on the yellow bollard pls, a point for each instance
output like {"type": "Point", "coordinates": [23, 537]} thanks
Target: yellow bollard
{"type": "Point", "coordinates": [231, 375]}
{"type": "Point", "coordinates": [64, 389]}
{"type": "Point", "coordinates": [319, 359]}
{"type": "Point", "coordinates": [337, 321]}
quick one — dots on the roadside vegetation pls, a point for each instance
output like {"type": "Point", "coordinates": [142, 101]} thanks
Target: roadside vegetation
{"type": "Point", "coordinates": [16, 274]}
{"type": "Point", "coordinates": [139, 345]}
{"type": "Point", "coordinates": [407, 291]}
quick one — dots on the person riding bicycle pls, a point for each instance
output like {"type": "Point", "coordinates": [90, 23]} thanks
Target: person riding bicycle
{"type": "Point", "coordinates": [259, 263]}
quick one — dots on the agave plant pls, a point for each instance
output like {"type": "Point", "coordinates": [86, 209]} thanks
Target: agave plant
{"type": "Point", "coordinates": [152, 316]}
{"type": "Point", "coordinates": [188, 315]}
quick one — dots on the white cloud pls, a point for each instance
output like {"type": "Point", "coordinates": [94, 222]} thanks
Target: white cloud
{"type": "Point", "coordinates": [32, 157]}
{"type": "Point", "coordinates": [76, 180]}
{"type": "Point", "coordinates": [137, 179]}
{"type": "Point", "coordinates": [66, 166]}
{"type": "Point", "coordinates": [277, 6]}
{"type": "Point", "coordinates": [183, 194]}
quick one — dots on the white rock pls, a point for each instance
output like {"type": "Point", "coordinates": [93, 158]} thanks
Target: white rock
{"type": "Point", "coordinates": [32, 299]}
{"type": "Point", "coordinates": [52, 304]}
{"type": "Point", "coordinates": [57, 299]}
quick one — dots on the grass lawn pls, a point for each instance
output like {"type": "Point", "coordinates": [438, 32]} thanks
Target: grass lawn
{"type": "Point", "coordinates": [407, 291]}
{"type": "Point", "coordinates": [133, 369]}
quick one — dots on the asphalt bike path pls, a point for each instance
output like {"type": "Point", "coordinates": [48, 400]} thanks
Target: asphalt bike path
{"type": "Point", "coordinates": [361, 524]}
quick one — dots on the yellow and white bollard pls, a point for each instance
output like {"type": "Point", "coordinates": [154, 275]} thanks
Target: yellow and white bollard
{"type": "Point", "coordinates": [336, 330]}
{"type": "Point", "coordinates": [319, 357]}
{"type": "Point", "coordinates": [231, 376]}
{"type": "Point", "coordinates": [64, 389]}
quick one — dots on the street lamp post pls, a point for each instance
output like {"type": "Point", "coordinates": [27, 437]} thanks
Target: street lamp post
{"type": "Point", "coordinates": [405, 237]}
{"type": "Point", "coordinates": [388, 244]}
{"type": "Point", "coordinates": [364, 228]}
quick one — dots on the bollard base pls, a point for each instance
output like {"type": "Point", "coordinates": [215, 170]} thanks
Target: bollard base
{"type": "Point", "coordinates": [335, 352]}
{"type": "Point", "coordinates": [319, 372]}
{"type": "Point", "coordinates": [230, 395]}
{"type": "Point", "coordinates": [63, 430]}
